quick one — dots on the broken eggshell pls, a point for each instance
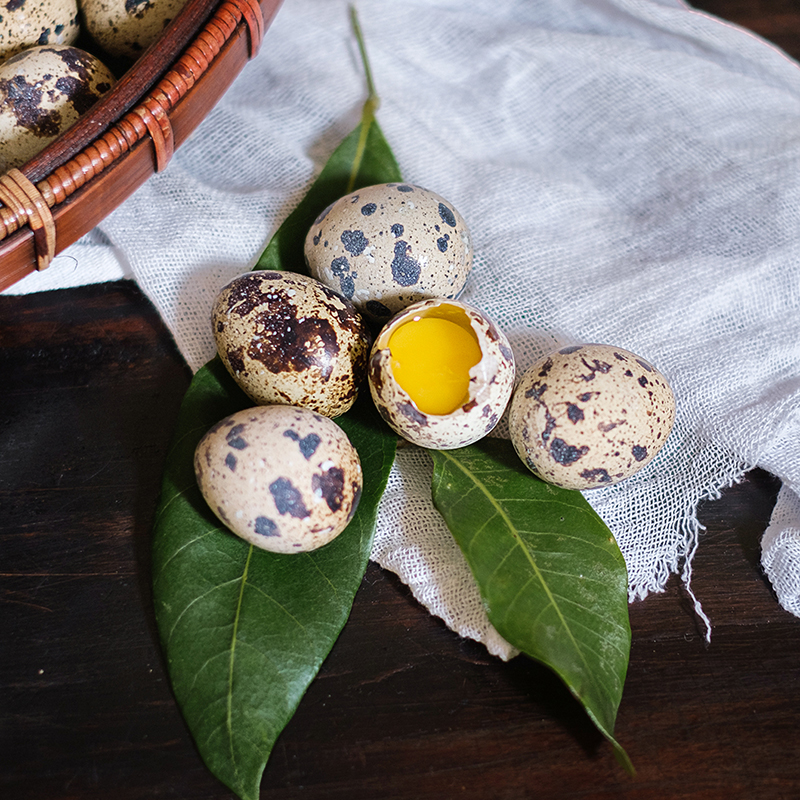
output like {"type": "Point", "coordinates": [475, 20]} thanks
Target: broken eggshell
{"type": "Point", "coordinates": [286, 338]}
{"type": "Point", "coordinates": [491, 381]}
{"type": "Point", "coordinates": [590, 415]}
{"type": "Point", "coordinates": [387, 246]}
{"type": "Point", "coordinates": [284, 479]}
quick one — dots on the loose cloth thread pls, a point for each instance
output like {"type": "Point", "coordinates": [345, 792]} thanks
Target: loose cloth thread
{"type": "Point", "coordinates": [630, 170]}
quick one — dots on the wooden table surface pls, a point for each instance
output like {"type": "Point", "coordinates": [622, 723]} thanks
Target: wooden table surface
{"type": "Point", "coordinates": [403, 708]}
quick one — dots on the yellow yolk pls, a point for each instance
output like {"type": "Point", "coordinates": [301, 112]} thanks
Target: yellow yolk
{"type": "Point", "coordinates": [431, 359]}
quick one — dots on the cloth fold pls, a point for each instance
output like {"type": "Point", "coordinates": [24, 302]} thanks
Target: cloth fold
{"type": "Point", "coordinates": [630, 171]}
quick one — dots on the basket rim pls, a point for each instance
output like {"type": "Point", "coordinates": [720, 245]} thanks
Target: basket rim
{"type": "Point", "coordinates": [129, 134]}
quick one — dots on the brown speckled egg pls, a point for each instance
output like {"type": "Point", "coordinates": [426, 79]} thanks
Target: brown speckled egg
{"type": "Point", "coordinates": [284, 479]}
{"type": "Point", "coordinates": [441, 374]}
{"type": "Point", "coordinates": [590, 415]}
{"type": "Point", "coordinates": [286, 338]}
{"type": "Point", "coordinates": [43, 91]}
{"type": "Point", "coordinates": [27, 23]}
{"type": "Point", "coordinates": [387, 246]}
{"type": "Point", "coordinates": [126, 28]}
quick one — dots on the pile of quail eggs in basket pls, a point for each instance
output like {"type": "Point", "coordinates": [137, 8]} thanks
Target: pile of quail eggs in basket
{"type": "Point", "coordinates": [59, 57]}
{"type": "Point", "coordinates": [391, 258]}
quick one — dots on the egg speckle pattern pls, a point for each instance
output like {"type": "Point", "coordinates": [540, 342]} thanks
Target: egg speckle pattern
{"type": "Point", "coordinates": [126, 28]}
{"type": "Point", "coordinates": [488, 383]}
{"type": "Point", "coordinates": [286, 338]}
{"type": "Point", "coordinates": [590, 415]}
{"type": "Point", "coordinates": [28, 23]}
{"type": "Point", "coordinates": [284, 479]}
{"type": "Point", "coordinates": [387, 246]}
{"type": "Point", "coordinates": [43, 91]}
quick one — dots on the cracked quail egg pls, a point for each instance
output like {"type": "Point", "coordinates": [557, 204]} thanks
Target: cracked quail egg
{"type": "Point", "coordinates": [286, 338]}
{"type": "Point", "coordinates": [284, 479]}
{"type": "Point", "coordinates": [590, 415]}
{"type": "Point", "coordinates": [27, 23]}
{"type": "Point", "coordinates": [390, 245]}
{"type": "Point", "coordinates": [441, 374]}
{"type": "Point", "coordinates": [43, 90]}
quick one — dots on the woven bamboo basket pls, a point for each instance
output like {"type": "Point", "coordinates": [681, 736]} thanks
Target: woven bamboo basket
{"type": "Point", "coordinates": [129, 134]}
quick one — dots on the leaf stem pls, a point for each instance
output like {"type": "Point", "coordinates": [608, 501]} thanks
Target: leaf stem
{"type": "Point", "coordinates": [371, 104]}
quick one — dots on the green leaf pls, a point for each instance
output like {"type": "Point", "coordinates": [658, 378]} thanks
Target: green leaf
{"type": "Point", "coordinates": [245, 631]}
{"type": "Point", "coordinates": [550, 573]}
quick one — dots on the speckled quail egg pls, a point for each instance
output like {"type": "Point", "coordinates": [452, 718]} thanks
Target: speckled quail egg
{"type": "Point", "coordinates": [286, 338]}
{"type": "Point", "coordinates": [387, 246]}
{"type": "Point", "coordinates": [126, 28]}
{"type": "Point", "coordinates": [441, 374]}
{"type": "Point", "coordinates": [284, 479]}
{"type": "Point", "coordinates": [43, 91]}
{"type": "Point", "coordinates": [590, 415]}
{"type": "Point", "coordinates": [27, 23]}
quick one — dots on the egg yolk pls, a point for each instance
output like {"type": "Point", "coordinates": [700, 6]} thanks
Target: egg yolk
{"type": "Point", "coordinates": [431, 359]}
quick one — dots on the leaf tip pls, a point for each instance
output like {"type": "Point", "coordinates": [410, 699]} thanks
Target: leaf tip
{"type": "Point", "coordinates": [623, 758]}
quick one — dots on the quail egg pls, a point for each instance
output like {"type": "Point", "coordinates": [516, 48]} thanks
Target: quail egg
{"type": "Point", "coordinates": [441, 374]}
{"type": "Point", "coordinates": [27, 23]}
{"type": "Point", "coordinates": [43, 91]}
{"type": "Point", "coordinates": [286, 338]}
{"type": "Point", "coordinates": [590, 415]}
{"type": "Point", "coordinates": [387, 246]}
{"type": "Point", "coordinates": [126, 28]}
{"type": "Point", "coordinates": [285, 479]}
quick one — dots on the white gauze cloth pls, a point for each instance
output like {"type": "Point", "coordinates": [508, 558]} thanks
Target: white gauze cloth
{"type": "Point", "coordinates": [630, 172]}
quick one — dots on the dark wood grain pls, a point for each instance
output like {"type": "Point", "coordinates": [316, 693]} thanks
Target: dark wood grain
{"type": "Point", "coordinates": [403, 708]}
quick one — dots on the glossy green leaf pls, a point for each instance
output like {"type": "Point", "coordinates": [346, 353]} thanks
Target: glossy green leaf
{"type": "Point", "coordinates": [245, 631]}
{"type": "Point", "coordinates": [550, 573]}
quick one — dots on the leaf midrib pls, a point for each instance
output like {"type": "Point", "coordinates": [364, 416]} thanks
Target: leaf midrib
{"type": "Point", "coordinates": [232, 661]}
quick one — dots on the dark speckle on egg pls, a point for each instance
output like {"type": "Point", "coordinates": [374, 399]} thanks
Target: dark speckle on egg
{"type": "Point", "coordinates": [410, 411]}
{"type": "Point", "coordinates": [234, 437]}
{"type": "Point", "coordinates": [354, 242]}
{"type": "Point", "coordinates": [330, 485]}
{"type": "Point", "coordinates": [447, 215]}
{"type": "Point", "coordinates": [288, 499]}
{"type": "Point", "coordinates": [598, 475]}
{"type": "Point", "coordinates": [405, 270]}
{"type": "Point", "coordinates": [308, 444]}
{"type": "Point", "coordinates": [264, 526]}
{"type": "Point", "coordinates": [565, 453]}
